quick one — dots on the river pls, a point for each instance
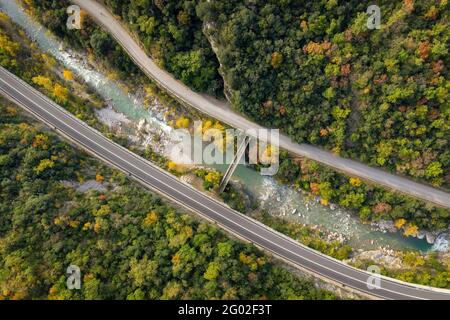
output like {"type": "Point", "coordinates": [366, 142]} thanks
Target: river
{"type": "Point", "coordinates": [275, 198]}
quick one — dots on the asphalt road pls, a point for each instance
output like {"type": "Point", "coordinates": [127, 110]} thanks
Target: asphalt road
{"type": "Point", "coordinates": [164, 183]}
{"type": "Point", "coordinates": [223, 112]}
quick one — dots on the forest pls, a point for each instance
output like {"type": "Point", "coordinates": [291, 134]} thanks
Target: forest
{"type": "Point", "coordinates": [314, 69]}
{"type": "Point", "coordinates": [53, 15]}
{"type": "Point", "coordinates": [128, 243]}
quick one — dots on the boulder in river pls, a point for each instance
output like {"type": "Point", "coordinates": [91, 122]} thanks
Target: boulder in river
{"type": "Point", "coordinates": [385, 225]}
{"type": "Point", "coordinates": [431, 237]}
{"type": "Point", "coordinates": [141, 125]}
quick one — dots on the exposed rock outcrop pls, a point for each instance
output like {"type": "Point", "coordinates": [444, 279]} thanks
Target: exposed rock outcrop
{"type": "Point", "coordinates": [208, 31]}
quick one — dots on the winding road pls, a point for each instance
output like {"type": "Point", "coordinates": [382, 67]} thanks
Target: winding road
{"type": "Point", "coordinates": [169, 186]}
{"type": "Point", "coordinates": [223, 112]}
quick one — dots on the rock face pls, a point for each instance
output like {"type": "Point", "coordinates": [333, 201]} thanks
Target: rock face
{"type": "Point", "coordinates": [111, 118]}
{"type": "Point", "coordinates": [91, 185]}
{"type": "Point", "coordinates": [208, 31]}
{"type": "Point", "coordinates": [420, 234]}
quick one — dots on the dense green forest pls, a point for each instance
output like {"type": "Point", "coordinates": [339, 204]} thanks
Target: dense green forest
{"type": "Point", "coordinates": [50, 78]}
{"type": "Point", "coordinates": [172, 33]}
{"type": "Point", "coordinates": [128, 243]}
{"type": "Point", "coordinates": [314, 69]}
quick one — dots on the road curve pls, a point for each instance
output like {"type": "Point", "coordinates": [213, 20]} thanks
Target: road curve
{"type": "Point", "coordinates": [223, 113]}
{"type": "Point", "coordinates": [164, 183]}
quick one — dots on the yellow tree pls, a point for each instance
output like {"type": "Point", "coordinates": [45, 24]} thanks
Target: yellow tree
{"type": "Point", "coordinates": [60, 93]}
{"type": "Point", "coordinates": [43, 82]}
{"type": "Point", "coordinates": [68, 75]}
{"type": "Point", "coordinates": [182, 122]}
